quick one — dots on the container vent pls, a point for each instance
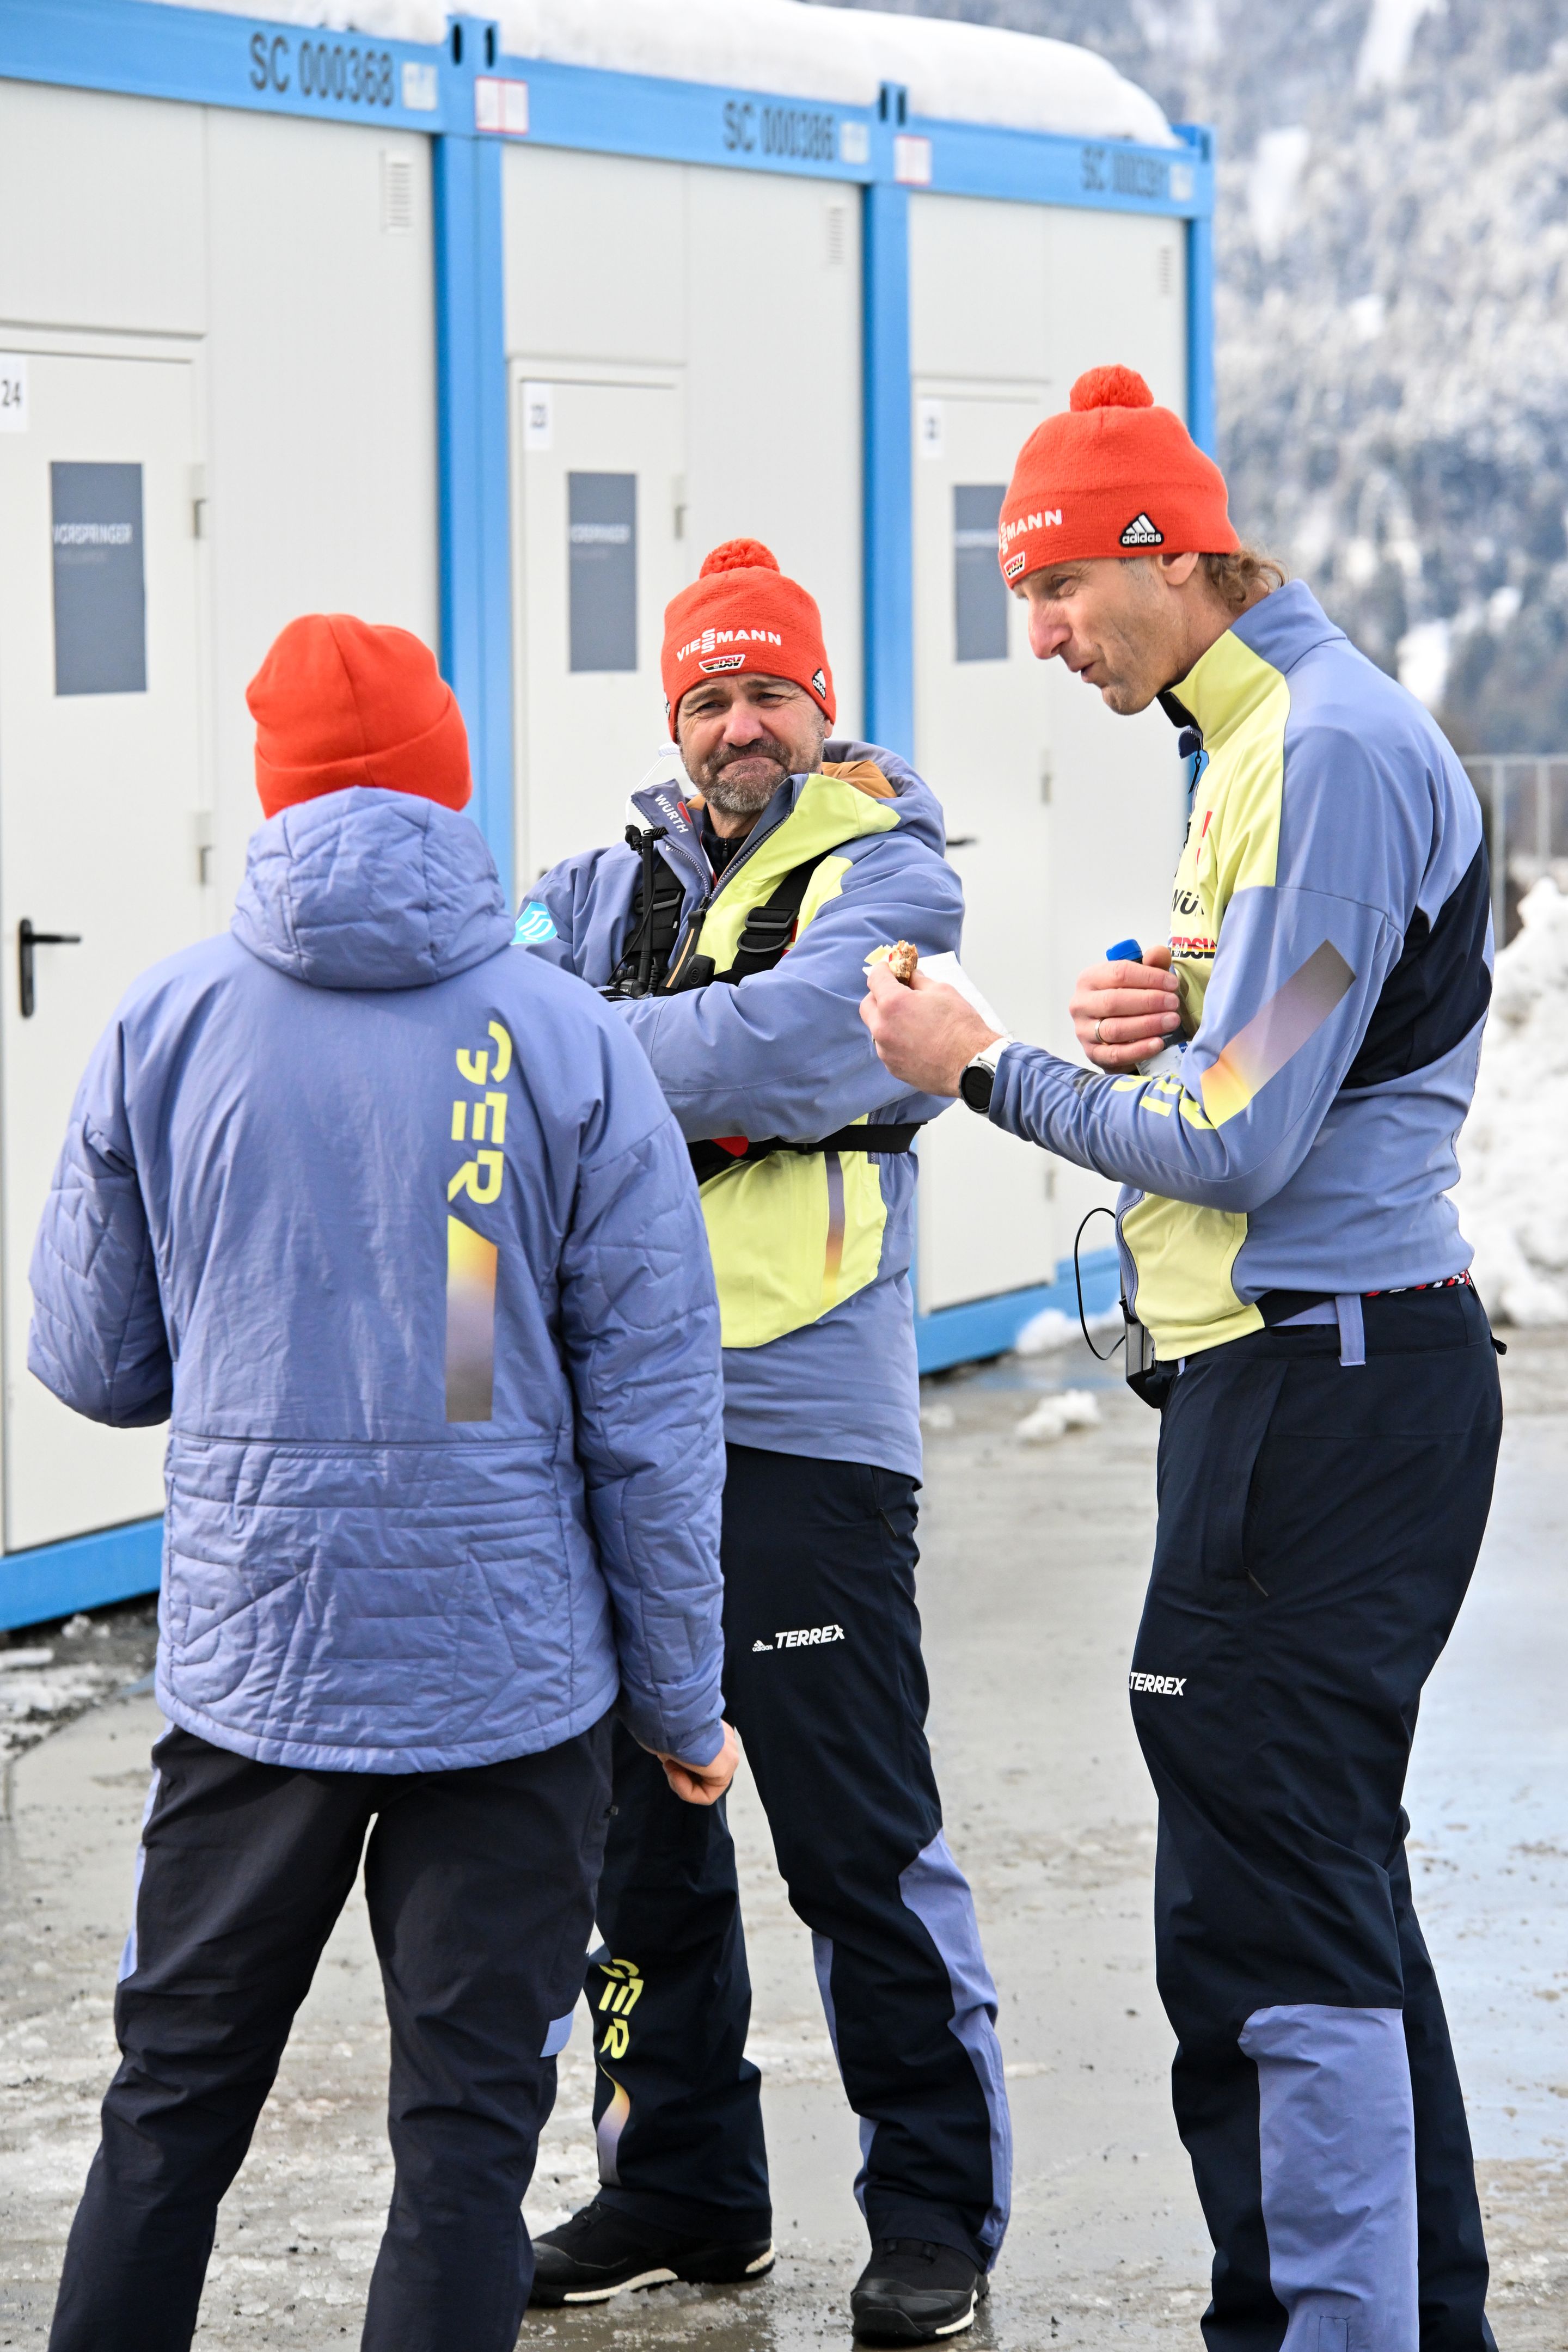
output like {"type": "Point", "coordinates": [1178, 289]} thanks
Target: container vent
{"type": "Point", "coordinates": [838, 235]}
{"type": "Point", "coordinates": [396, 195]}
{"type": "Point", "coordinates": [1165, 272]}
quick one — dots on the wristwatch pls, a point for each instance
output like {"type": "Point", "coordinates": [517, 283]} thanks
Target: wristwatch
{"type": "Point", "coordinates": [980, 1075]}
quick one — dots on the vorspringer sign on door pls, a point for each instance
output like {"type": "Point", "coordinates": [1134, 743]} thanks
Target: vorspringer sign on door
{"type": "Point", "coordinates": [100, 590]}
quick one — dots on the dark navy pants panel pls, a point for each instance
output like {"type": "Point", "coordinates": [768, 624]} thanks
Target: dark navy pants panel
{"type": "Point", "coordinates": [1452, 2252]}
{"type": "Point", "coordinates": [1215, 2093]}
{"type": "Point", "coordinates": [825, 1683]}
{"type": "Point", "coordinates": [1319, 1525]}
{"type": "Point", "coordinates": [479, 1886]}
{"type": "Point", "coordinates": [677, 2102]}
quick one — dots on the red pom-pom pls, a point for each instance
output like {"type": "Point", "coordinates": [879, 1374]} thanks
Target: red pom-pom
{"type": "Point", "coordinates": [740, 555]}
{"type": "Point", "coordinates": [1110, 387]}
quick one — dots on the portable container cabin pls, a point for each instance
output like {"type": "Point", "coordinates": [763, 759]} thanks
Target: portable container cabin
{"type": "Point", "coordinates": [438, 328]}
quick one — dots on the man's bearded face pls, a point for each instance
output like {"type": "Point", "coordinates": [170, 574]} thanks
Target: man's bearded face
{"type": "Point", "coordinates": [740, 738]}
{"type": "Point", "coordinates": [741, 779]}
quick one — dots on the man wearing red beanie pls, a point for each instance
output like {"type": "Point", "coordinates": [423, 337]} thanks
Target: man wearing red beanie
{"type": "Point", "coordinates": [393, 1226]}
{"type": "Point", "coordinates": [1279, 1090]}
{"type": "Point", "coordinates": [765, 865]}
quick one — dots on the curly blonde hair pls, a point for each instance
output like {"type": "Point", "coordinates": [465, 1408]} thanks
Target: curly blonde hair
{"type": "Point", "coordinates": [1243, 576]}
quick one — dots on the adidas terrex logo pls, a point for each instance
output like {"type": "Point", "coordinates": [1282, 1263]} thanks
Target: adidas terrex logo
{"type": "Point", "coordinates": [1159, 1686]}
{"type": "Point", "coordinates": [1140, 532]}
{"type": "Point", "coordinates": [711, 639]}
{"type": "Point", "coordinates": [804, 1637]}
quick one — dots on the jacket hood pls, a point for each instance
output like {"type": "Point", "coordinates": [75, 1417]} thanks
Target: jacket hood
{"type": "Point", "coordinates": [919, 811]}
{"type": "Point", "coordinates": [367, 888]}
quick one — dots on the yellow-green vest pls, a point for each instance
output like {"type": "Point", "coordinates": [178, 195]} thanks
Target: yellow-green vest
{"type": "Point", "coordinates": [796, 1233]}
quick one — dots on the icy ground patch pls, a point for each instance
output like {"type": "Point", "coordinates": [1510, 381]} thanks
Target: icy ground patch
{"type": "Point", "coordinates": [47, 1678]}
{"type": "Point", "coordinates": [1513, 1200]}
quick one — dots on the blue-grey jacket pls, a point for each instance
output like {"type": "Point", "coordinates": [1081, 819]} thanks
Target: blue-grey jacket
{"type": "Point", "coordinates": [1331, 923]}
{"type": "Point", "coordinates": [391, 1222]}
{"type": "Point", "coordinates": [816, 1250]}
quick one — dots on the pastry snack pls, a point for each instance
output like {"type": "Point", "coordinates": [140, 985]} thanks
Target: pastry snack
{"type": "Point", "coordinates": [902, 960]}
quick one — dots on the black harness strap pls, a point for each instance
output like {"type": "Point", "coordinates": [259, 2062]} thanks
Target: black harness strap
{"type": "Point", "coordinates": [652, 962]}
{"type": "Point", "coordinates": [709, 1158]}
{"type": "Point", "coordinates": [764, 938]}
{"type": "Point", "coordinates": [768, 929]}
{"type": "Point", "coordinates": [651, 936]}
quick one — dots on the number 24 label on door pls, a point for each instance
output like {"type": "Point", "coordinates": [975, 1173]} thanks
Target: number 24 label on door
{"type": "Point", "coordinates": [13, 392]}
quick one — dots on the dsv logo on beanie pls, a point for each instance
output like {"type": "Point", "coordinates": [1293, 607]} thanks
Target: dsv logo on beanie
{"type": "Point", "coordinates": [722, 661]}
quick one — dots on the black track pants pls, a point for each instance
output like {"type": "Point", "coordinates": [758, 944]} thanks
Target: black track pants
{"type": "Point", "coordinates": [1318, 1524]}
{"type": "Point", "coordinates": [825, 1683]}
{"type": "Point", "coordinates": [481, 1886]}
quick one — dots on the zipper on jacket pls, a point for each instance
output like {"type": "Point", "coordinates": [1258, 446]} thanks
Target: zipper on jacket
{"type": "Point", "coordinates": [694, 921]}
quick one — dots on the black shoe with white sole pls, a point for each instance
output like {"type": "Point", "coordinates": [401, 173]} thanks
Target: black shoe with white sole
{"type": "Point", "coordinates": [912, 2292]}
{"type": "Point", "coordinates": [599, 2252]}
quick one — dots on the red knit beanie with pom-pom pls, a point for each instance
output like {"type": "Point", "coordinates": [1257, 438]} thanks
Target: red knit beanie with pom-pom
{"type": "Point", "coordinates": [1112, 476]}
{"type": "Point", "coordinates": [741, 613]}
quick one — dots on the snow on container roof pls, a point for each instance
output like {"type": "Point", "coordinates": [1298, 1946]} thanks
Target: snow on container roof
{"type": "Point", "coordinates": [387, 20]}
{"type": "Point", "coordinates": [960, 72]}
{"type": "Point", "coordinates": [964, 73]}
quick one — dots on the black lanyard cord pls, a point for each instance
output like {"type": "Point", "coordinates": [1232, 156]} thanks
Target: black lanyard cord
{"type": "Point", "coordinates": [1099, 1210]}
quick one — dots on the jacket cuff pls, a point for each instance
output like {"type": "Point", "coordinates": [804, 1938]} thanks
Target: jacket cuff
{"type": "Point", "coordinates": [702, 1747]}
{"type": "Point", "coordinates": [697, 1748]}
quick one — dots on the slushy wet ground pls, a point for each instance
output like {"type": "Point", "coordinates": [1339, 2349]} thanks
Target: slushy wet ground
{"type": "Point", "coordinates": [1033, 1561]}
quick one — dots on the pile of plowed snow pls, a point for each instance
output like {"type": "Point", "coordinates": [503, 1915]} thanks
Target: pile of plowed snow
{"type": "Point", "coordinates": [1513, 1152]}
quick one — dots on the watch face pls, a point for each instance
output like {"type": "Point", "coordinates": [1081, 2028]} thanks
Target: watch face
{"type": "Point", "coordinates": [975, 1086]}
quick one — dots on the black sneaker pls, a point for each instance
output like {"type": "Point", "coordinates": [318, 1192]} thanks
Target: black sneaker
{"type": "Point", "coordinates": [599, 2252]}
{"type": "Point", "coordinates": [912, 2291]}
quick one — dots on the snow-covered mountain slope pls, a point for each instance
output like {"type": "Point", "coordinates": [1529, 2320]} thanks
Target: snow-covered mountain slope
{"type": "Point", "coordinates": [1392, 314]}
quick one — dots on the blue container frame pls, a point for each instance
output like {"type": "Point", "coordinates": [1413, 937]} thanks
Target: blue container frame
{"type": "Point", "coordinates": [141, 49]}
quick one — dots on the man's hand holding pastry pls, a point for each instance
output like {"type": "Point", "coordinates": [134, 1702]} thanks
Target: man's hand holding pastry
{"type": "Point", "coordinates": [924, 1031]}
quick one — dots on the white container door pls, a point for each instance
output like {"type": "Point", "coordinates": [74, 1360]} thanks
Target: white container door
{"type": "Point", "coordinates": [598, 558]}
{"type": "Point", "coordinates": [986, 1220]}
{"type": "Point", "coordinates": [99, 785]}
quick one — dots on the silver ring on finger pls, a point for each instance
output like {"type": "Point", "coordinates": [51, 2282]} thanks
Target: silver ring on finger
{"type": "Point", "coordinates": [1097, 1038]}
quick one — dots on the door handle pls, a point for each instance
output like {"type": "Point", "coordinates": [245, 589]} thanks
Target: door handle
{"type": "Point", "coordinates": [27, 939]}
